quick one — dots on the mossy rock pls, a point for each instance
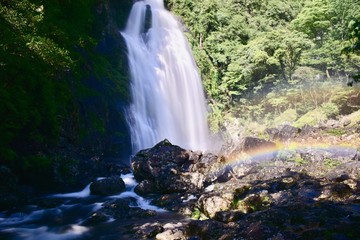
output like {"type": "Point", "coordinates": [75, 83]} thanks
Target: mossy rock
{"type": "Point", "coordinates": [354, 118]}
{"type": "Point", "coordinates": [311, 118]}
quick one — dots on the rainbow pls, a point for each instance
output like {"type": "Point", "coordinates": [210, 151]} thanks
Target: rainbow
{"type": "Point", "coordinates": [266, 154]}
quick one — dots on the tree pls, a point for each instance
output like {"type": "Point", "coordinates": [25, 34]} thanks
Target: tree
{"type": "Point", "coordinates": [314, 20]}
{"type": "Point", "coordinates": [354, 37]}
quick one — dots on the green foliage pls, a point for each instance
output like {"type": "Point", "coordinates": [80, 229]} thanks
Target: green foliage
{"type": "Point", "coordinates": [330, 109]}
{"type": "Point", "coordinates": [47, 56]}
{"type": "Point", "coordinates": [196, 214]}
{"type": "Point", "coordinates": [244, 48]}
{"type": "Point", "coordinates": [354, 36]}
{"type": "Point", "coordinates": [33, 98]}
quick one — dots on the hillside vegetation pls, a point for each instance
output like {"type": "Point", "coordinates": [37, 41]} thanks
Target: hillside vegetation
{"type": "Point", "coordinates": [63, 79]}
{"type": "Point", "coordinates": [274, 61]}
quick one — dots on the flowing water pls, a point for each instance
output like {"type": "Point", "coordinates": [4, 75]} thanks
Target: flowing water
{"type": "Point", "coordinates": [167, 96]}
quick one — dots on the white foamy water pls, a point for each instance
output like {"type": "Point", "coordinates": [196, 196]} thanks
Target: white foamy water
{"type": "Point", "coordinates": [141, 202]}
{"type": "Point", "coordinates": [44, 233]}
{"type": "Point", "coordinates": [129, 180]}
{"type": "Point", "coordinates": [167, 96]}
{"type": "Point", "coordinates": [82, 194]}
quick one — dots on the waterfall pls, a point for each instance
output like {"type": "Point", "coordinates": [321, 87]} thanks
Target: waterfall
{"type": "Point", "coordinates": [167, 96]}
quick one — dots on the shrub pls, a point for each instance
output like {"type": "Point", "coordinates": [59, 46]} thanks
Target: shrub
{"type": "Point", "coordinates": [330, 109]}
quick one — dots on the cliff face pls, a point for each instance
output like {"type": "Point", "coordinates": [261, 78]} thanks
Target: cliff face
{"type": "Point", "coordinates": [97, 137]}
{"type": "Point", "coordinates": [64, 91]}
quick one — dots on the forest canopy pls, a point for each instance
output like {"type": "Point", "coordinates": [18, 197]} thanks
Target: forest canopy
{"type": "Point", "coordinates": [245, 47]}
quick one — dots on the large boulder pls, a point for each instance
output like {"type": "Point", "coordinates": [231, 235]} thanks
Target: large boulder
{"type": "Point", "coordinates": [107, 186]}
{"type": "Point", "coordinates": [165, 169]}
{"type": "Point", "coordinates": [168, 168]}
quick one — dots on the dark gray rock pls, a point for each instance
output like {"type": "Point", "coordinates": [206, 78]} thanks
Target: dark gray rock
{"type": "Point", "coordinates": [149, 230]}
{"type": "Point", "coordinates": [167, 168]}
{"type": "Point", "coordinates": [252, 144]}
{"type": "Point", "coordinates": [307, 130]}
{"type": "Point", "coordinates": [145, 187]}
{"type": "Point", "coordinates": [163, 159]}
{"type": "Point", "coordinates": [228, 216]}
{"type": "Point", "coordinates": [282, 133]}
{"type": "Point", "coordinates": [107, 186]}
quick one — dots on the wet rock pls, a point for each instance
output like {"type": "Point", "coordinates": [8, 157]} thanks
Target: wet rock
{"type": "Point", "coordinates": [145, 187]}
{"type": "Point", "coordinates": [107, 186]}
{"type": "Point", "coordinates": [96, 218]}
{"type": "Point", "coordinates": [118, 208]}
{"type": "Point", "coordinates": [170, 202]}
{"type": "Point", "coordinates": [149, 230]}
{"type": "Point", "coordinates": [172, 232]}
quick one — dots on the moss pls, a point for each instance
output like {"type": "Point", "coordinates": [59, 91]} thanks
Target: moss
{"type": "Point", "coordinates": [299, 161]}
{"type": "Point", "coordinates": [311, 118]}
{"type": "Point", "coordinates": [354, 118]}
{"type": "Point", "coordinates": [196, 214]}
{"type": "Point", "coordinates": [253, 203]}
{"type": "Point", "coordinates": [336, 132]}
{"type": "Point", "coordinates": [97, 123]}
{"type": "Point", "coordinates": [331, 163]}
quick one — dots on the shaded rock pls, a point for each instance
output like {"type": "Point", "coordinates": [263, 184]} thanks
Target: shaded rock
{"type": "Point", "coordinates": [145, 187]}
{"type": "Point", "coordinates": [251, 144]}
{"type": "Point", "coordinates": [149, 230]}
{"type": "Point", "coordinates": [118, 208]}
{"type": "Point", "coordinates": [340, 190]}
{"type": "Point", "coordinates": [96, 218]}
{"type": "Point", "coordinates": [162, 159]}
{"type": "Point", "coordinates": [167, 168]}
{"type": "Point", "coordinates": [207, 229]}
{"type": "Point", "coordinates": [282, 133]}
{"type": "Point", "coordinates": [307, 130]}
{"type": "Point", "coordinates": [107, 186]}
{"type": "Point", "coordinates": [228, 216]}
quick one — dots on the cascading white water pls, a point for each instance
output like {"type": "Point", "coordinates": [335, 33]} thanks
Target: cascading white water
{"type": "Point", "coordinates": [168, 98]}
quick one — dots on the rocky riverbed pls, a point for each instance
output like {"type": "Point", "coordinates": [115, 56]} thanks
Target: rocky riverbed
{"type": "Point", "coordinates": [285, 187]}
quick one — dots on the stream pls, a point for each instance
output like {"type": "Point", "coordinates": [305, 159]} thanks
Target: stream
{"type": "Point", "coordinates": [66, 216]}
